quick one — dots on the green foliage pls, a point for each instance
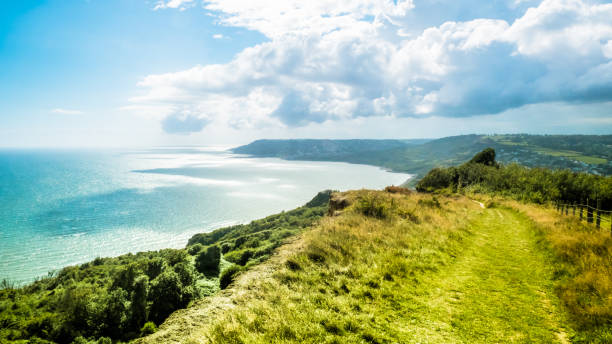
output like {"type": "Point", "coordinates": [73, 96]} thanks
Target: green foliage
{"type": "Point", "coordinates": [195, 249]}
{"type": "Point", "coordinates": [114, 298]}
{"type": "Point", "coordinates": [228, 275]}
{"type": "Point", "coordinates": [148, 328]}
{"type": "Point", "coordinates": [207, 261]}
{"type": "Point", "coordinates": [168, 295]}
{"type": "Point", "coordinates": [138, 305]}
{"type": "Point", "coordinates": [538, 185]}
{"type": "Point", "coordinates": [486, 157]}
{"type": "Point", "coordinates": [374, 205]}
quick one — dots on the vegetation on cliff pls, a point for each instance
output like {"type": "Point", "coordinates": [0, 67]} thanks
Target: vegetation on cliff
{"type": "Point", "coordinates": [125, 297]}
{"type": "Point", "coordinates": [483, 174]}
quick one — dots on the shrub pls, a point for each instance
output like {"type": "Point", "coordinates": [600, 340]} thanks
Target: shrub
{"type": "Point", "coordinates": [154, 267]}
{"type": "Point", "coordinates": [373, 206]}
{"type": "Point", "coordinates": [195, 249]}
{"type": "Point", "coordinates": [186, 273]}
{"type": "Point", "coordinates": [226, 247]}
{"type": "Point", "coordinates": [207, 261]}
{"type": "Point", "coordinates": [228, 275]}
{"type": "Point", "coordinates": [165, 294]}
{"type": "Point", "coordinates": [486, 157]}
{"type": "Point", "coordinates": [437, 178]}
{"type": "Point", "coordinates": [174, 257]}
{"type": "Point", "coordinates": [148, 328]}
{"type": "Point", "coordinates": [244, 258]}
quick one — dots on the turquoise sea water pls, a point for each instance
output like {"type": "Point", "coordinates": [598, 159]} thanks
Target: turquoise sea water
{"type": "Point", "coordinates": [59, 208]}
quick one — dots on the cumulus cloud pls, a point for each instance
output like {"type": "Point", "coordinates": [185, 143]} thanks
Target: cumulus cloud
{"type": "Point", "coordinates": [329, 60]}
{"type": "Point", "coordinates": [66, 112]}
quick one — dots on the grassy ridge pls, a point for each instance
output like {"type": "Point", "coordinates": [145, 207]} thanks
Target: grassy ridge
{"type": "Point", "coordinates": [395, 268]}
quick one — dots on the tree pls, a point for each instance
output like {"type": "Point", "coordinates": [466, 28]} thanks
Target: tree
{"type": "Point", "coordinates": [486, 157]}
{"type": "Point", "coordinates": [207, 261]}
{"type": "Point", "coordinates": [138, 306]}
{"type": "Point", "coordinates": [115, 313]}
{"type": "Point", "coordinates": [165, 295]}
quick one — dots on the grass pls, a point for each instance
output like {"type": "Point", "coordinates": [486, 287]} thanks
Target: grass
{"type": "Point", "coordinates": [583, 269]}
{"type": "Point", "coordinates": [395, 268]}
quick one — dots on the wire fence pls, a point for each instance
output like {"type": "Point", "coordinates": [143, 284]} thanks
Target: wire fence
{"type": "Point", "coordinates": [601, 218]}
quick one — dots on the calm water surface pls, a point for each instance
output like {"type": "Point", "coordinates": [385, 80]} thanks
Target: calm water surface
{"type": "Point", "coordinates": [60, 208]}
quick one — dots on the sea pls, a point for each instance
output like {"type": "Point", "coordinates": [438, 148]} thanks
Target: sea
{"type": "Point", "coordinates": [66, 207]}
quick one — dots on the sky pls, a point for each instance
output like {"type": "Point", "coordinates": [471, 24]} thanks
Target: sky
{"type": "Point", "coordinates": [128, 73]}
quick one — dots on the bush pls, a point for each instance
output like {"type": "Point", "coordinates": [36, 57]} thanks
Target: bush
{"type": "Point", "coordinates": [165, 294]}
{"type": "Point", "coordinates": [228, 275]}
{"type": "Point", "coordinates": [207, 261]}
{"type": "Point", "coordinates": [244, 258]}
{"type": "Point", "coordinates": [195, 249]}
{"type": "Point", "coordinates": [148, 328]}
{"type": "Point", "coordinates": [486, 157]}
{"type": "Point", "coordinates": [436, 179]}
{"type": "Point", "coordinates": [373, 206]}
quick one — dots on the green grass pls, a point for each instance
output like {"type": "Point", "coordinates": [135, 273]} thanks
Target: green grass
{"type": "Point", "coordinates": [397, 269]}
{"type": "Point", "coordinates": [499, 290]}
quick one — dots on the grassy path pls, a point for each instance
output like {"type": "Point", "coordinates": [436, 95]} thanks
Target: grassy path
{"type": "Point", "coordinates": [498, 291]}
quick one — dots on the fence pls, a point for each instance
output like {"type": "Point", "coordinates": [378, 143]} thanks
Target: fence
{"type": "Point", "coordinates": [585, 211]}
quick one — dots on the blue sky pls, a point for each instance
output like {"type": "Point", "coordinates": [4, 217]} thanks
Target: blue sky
{"type": "Point", "coordinates": [138, 73]}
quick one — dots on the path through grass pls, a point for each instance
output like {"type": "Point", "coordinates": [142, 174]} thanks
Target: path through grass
{"type": "Point", "coordinates": [425, 270]}
{"type": "Point", "coordinates": [498, 291]}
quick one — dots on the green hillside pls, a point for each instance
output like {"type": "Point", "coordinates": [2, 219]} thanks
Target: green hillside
{"type": "Point", "coordinates": [414, 268]}
{"type": "Point", "coordinates": [579, 153]}
{"type": "Point", "coordinates": [125, 297]}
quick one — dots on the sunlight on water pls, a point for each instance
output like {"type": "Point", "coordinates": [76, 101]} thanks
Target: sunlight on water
{"type": "Point", "coordinates": [62, 208]}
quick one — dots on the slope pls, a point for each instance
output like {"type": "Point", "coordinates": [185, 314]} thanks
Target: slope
{"type": "Point", "coordinates": [391, 268]}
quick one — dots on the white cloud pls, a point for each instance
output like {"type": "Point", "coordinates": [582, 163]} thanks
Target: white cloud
{"type": "Point", "coordinates": [66, 112]}
{"type": "Point", "coordinates": [180, 4]}
{"type": "Point", "coordinates": [328, 60]}
{"type": "Point", "coordinates": [218, 36]}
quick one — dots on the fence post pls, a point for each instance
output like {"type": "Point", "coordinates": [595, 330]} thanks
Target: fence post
{"type": "Point", "coordinates": [598, 221]}
{"type": "Point", "coordinates": [566, 209]}
{"type": "Point", "coordinates": [589, 213]}
{"type": "Point", "coordinates": [574, 209]}
{"type": "Point", "coordinates": [580, 211]}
